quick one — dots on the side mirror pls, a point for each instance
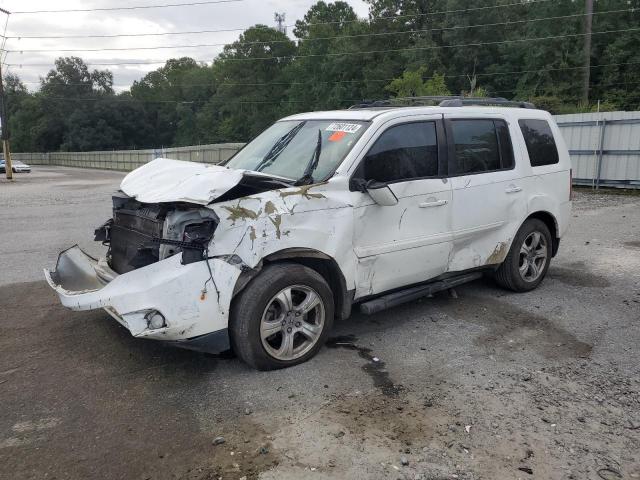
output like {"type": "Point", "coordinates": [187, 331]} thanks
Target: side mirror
{"type": "Point", "coordinates": [381, 193]}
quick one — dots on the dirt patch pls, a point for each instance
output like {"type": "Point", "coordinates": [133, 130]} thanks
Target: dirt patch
{"type": "Point", "coordinates": [512, 330]}
{"type": "Point", "coordinates": [633, 244]}
{"type": "Point", "coordinates": [577, 275]}
{"type": "Point", "coordinates": [246, 452]}
{"type": "Point", "coordinates": [368, 434]}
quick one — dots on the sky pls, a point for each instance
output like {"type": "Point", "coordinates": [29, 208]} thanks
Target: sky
{"type": "Point", "coordinates": [232, 15]}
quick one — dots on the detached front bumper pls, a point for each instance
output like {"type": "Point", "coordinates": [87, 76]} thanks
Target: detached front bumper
{"type": "Point", "coordinates": [193, 302]}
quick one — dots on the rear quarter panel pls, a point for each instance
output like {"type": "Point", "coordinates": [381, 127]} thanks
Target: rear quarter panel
{"type": "Point", "coordinates": [548, 187]}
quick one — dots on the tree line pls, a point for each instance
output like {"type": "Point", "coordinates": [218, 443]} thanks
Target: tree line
{"type": "Point", "coordinates": [532, 50]}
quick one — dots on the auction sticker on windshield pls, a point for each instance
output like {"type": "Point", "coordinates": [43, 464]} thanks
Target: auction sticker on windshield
{"type": "Point", "coordinates": [337, 136]}
{"type": "Point", "coordinates": [343, 127]}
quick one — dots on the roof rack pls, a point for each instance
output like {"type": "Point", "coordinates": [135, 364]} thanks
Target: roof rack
{"type": "Point", "coordinates": [443, 101]}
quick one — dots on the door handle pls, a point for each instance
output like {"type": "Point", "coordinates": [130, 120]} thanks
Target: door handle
{"type": "Point", "coordinates": [438, 203]}
{"type": "Point", "coordinates": [513, 189]}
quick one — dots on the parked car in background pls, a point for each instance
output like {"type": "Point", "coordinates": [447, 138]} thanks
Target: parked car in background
{"type": "Point", "coordinates": [324, 211]}
{"type": "Point", "coordinates": [16, 166]}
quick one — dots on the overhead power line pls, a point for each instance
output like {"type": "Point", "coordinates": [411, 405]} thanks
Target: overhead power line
{"type": "Point", "coordinates": [335, 37]}
{"type": "Point", "coordinates": [360, 80]}
{"type": "Point", "coordinates": [183, 102]}
{"type": "Point", "coordinates": [340, 22]}
{"type": "Point", "coordinates": [593, 85]}
{"type": "Point", "coordinates": [368, 52]}
{"type": "Point", "coordinates": [234, 101]}
{"type": "Point", "coordinates": [134, 7]}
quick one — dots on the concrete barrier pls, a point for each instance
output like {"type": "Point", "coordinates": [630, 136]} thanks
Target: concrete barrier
{"type": "Point", "coordinates": [127, 160]}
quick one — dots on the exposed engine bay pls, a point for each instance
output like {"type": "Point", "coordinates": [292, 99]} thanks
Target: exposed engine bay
{"type": "Point", "coordinates": [140, 234]}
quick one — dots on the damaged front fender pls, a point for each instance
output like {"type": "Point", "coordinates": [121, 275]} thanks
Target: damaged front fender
{"type": "Point", "coordinates": [315, 217]}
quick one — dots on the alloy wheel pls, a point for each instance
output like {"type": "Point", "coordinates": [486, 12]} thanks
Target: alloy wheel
{"type": "Point", "coordinates": [533, 256]}
{"type": "Point", "coordinates": [292, 322]}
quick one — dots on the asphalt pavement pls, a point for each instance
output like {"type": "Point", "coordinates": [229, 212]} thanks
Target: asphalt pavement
{"type": "Point", "coordinates": [488, 385]}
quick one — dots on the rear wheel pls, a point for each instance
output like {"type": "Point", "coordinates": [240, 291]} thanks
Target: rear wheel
{"type": "Point", "coordinates": [528, 260]}
{"type": "Point", "coordinates": [282, 317]}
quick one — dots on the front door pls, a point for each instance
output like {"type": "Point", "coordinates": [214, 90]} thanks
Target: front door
{"type": "Point", "coordinates": [408, 242]}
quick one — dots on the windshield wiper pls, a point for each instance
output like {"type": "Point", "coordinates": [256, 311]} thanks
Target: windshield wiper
{"type": "Point", "coordinates": [269, 178]}
{"type": "Point", "coordinates": [307, 176]}
{"type": "Point", "coordinates": [278, 147]}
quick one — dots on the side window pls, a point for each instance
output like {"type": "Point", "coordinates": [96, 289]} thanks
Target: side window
{"type": "Point", "coordinates": [540, 142]}
{"type": "Point", "coordinates": [403, 152]}
{"type": "Point", "coordinates": [481, 145]}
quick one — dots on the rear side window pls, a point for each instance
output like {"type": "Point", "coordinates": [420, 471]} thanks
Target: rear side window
{"type": "Point", "coordinates": [481, 145]}
{"type": "Point", "coordinates": [403, 152]}
{"type": "Point", "coordinates": [540, 142]}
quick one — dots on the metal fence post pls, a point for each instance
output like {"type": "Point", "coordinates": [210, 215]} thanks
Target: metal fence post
{"type": "Point", "coordinates": [601, 152]}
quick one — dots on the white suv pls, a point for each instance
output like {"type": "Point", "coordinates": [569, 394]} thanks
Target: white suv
{"type": "Point", "coordinates": [321, 212]}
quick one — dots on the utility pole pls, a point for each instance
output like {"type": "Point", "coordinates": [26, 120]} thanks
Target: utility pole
{"type": "Point", "coordinates": [588, 21]}
{"type": "Point", "coordinates": [8, 167]}
{"type": "Point", "coordinates": [4, 123]}
{"type": "Point", "coordinates": [280, 19]}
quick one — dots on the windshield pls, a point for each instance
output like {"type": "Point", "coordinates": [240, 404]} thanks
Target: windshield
{"type": "Point", "coordinates": [295, 149]}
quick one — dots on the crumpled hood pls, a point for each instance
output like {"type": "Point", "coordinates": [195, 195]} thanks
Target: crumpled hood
{"type": "Point", "coordinates": [165, 180]}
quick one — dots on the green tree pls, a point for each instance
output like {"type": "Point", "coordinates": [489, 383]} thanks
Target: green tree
{"type": "Point", "coordinates": [321, 78]}
{"type": "Point", "coordinates": [180, 86]}
{"type": "Point", "coordinates": [521, 50]}
{"type": "Point", "coordinates": [251, 86]}
{"type": "Point", "coordinates": [412, 83]}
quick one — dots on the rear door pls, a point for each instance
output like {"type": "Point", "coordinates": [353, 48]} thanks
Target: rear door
{"type": "Point", "coordinates": [408, 242]}
{"type": "Point", "coordinates": [488, 193]}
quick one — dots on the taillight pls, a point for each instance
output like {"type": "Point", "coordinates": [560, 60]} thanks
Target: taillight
{"type": "Point", "coordinates": [570, 183]}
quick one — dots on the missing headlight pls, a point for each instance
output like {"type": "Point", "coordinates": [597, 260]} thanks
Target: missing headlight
{"type": "Point", "coordinates": [199, 233]}
{"type": "Point", "coordinates": [198, 236]}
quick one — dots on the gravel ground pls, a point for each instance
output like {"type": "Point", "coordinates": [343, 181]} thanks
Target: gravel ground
{"type": "Point", "coordinates": [489, 385]}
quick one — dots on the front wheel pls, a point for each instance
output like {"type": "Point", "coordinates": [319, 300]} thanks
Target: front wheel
{"type": "Point", "coordinates": [528, 260]}
{"type": "Point", "coordinates": [282, 317]}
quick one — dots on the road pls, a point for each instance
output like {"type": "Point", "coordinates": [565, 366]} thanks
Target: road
{"type": "Point", "coordinates": [488, 385]}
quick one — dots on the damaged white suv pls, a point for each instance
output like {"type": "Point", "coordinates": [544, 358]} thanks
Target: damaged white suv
{"type": "Point", "coordinates": [323, 211]}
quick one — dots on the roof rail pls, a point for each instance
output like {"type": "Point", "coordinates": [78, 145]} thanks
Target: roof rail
{"type": "Point", "coordinates": [405, 101]}
{"type": "Point", "coordinates": [373, 104]}
{"type": "Point", "coordinates": [489, 101]}
{"type": "Point", "coordinates": [443, 101]}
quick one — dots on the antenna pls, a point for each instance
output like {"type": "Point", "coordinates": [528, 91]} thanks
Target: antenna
{"type": "Point", "coordinates": [280, 19]}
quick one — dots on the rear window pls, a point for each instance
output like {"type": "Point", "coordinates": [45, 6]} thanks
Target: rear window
{"type": "Point", "coordinates": [540, 142]}
{"type": "Point", "coordinates": [481, 145]}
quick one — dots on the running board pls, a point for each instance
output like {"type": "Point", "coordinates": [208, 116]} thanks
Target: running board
{"type": "Point", "coordinates": [403, 296]}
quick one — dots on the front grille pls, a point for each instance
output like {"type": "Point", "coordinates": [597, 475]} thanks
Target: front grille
{"type": "Point", "coordinates": [131, 237]}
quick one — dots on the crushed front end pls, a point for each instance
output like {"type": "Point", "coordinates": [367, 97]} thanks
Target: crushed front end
{"type": "Point", "coordinates": [157, 278]}
{"type": "Point", "coordinates": [140, 234]}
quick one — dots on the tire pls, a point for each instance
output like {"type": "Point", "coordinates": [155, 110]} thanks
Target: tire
{"type": "Point", "coordinates": [266, 334]}
{"type": "Point", "coordinates": [512, 273]}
